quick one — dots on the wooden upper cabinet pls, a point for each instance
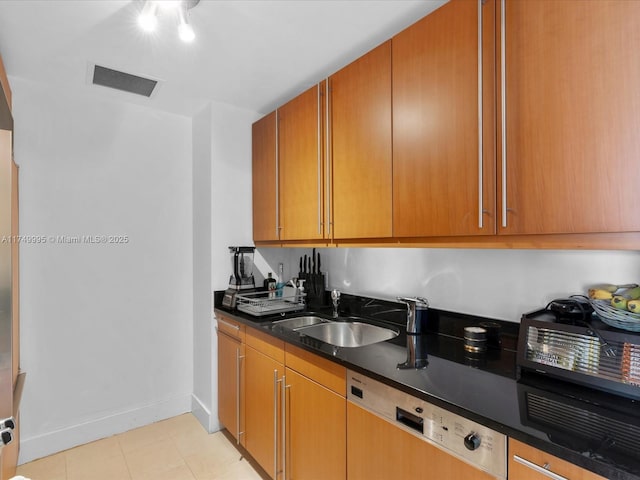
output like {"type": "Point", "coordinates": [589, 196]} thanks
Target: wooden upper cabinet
{"type": "Point", "coordinates": [572, 117]}
{"type": "Point", "coordinates": [443, 175]}
{"type": "Point", "coordinates": [265, 188]}
{"type": "Point", "coordinates": [360, 139]}
{"type": "Point", "coordinates": [300, 168]}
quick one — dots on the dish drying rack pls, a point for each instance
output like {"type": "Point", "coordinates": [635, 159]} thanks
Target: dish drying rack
{"type": "Point", "coordinates": [267, 303]}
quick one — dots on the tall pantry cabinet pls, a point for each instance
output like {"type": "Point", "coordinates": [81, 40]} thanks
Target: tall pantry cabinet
{"type": "Point", "coordinates": [11, 379]}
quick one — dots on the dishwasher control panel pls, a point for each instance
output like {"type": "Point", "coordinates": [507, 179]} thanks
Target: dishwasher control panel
{"type": "Point", "coordinates": [473, 443]}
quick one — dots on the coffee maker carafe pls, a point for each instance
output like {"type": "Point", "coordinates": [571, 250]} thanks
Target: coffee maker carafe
{"type": "Point", "coordinates": [241, 279]}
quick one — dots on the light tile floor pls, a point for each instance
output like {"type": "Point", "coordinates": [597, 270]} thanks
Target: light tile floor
{"type": "Point", "coordinates": [174, 449]}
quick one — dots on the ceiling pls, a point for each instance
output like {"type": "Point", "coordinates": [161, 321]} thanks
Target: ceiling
{"type": "Point", "coordinates": [255, 54]}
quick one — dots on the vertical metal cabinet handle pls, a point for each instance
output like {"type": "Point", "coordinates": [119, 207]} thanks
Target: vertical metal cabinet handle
{"type": "Point", "coordinates": [275, 423]}
{"type": "Point", "coordinates": [284, 427]}
{"type": "Point", "coordinates": [541, 470]}
{"type": "Point", "coordinates": [480, 121]}
{"type": "Point", "coordinates": [277, 177]}
{"type": "Point", "coordinates": [238, 359]}
{"type": "Point", "coordinates": [503, 107]}
{"type": "Point", "coordinates": [319, 154]}
{"type": "Point", "coordinates": [328, 156]}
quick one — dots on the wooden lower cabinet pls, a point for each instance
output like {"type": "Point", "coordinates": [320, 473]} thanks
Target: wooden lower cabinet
{"type": "Point", "coordinates": [318, 434]}
{"type": "Point", "coordinates": [316, 416]}
{"type": "Point", "coordinates": [529, 463]}
{"type": "Point", "coordinates": [304, 438]}
{"type": "Point", "coordinates": [230, 356]}
{"type": "Point", "coordinates": [377, 450]}
{"type": "Point", "coordinates": [315, 430]}
{"type": "Point", "coordinates": [263, 408]}
{"type": "Point", "coordinates": [262, 420]}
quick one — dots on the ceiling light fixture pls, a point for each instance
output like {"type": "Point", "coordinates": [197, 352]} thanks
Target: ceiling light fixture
{"type": "Point", "coordinates": [148, 18]}
{"type": "Point", "coordinates": [185, 31]}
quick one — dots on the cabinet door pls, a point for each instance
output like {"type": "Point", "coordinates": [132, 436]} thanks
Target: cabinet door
{"type": "Point", "coordinates": [572, 117]}
{"type": "Point", "coordinates": [315, 430]}
{"type": "Point", "coordinates": [528, 463]}
{"type": "Point", "coordinates": [8, 455]}
{"type": "Point", "coordinates": [443, 174]}
{"type": "Point", "coordinates": [15, 274]}
{"type": "Point", "coordinates": [264, 178]}
{"type": "Point", "coordinates": [300, 167]}
{"type": "Point", "coordinates": [262, 410]}
{"type": "Point", "coordinates": [360, 156]}
{"type": "Point", "coordinates": [230, 413]}
{"type": "Point", "coordinates": [377, 449]}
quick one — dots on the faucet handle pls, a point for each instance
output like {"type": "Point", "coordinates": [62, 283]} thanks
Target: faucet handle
{"type": "Point", "coordinates": [417, 301]}
{"type": "Point", "coordinates": [335, 294]}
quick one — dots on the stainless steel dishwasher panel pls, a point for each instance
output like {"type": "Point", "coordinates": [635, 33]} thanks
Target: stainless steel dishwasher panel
{"type": "Point", "coordinates": [469, 441]}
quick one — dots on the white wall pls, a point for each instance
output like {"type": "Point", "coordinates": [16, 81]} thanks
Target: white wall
{"type": "Point", "coordinates": [222, 177]}
{"type": "Point", "coordinates": [106, 329]}
{"type": "Point", "coordinates": [501, 284]}
{"type": "Point", "coordinates": [202, 299]}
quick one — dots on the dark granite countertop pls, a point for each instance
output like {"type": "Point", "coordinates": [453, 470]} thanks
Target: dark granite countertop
{"type": "Point", "coordinates": [485, 388]}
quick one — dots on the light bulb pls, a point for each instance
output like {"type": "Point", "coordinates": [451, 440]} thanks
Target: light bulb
{"type": "Point", "coordinates": [186, 33]}
{"type": "Point", "coordinates": [147, 18]}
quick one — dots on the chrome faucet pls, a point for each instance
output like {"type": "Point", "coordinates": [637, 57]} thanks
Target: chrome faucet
{"type": "Point", "coordinates": [335, 298]}
{"type": "Point", "coordinates": [415, 305]}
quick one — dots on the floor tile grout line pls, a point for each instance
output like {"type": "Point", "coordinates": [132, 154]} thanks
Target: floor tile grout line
{"type": "Point", "coordinates": [66, 465]}
{"type": "Point", "coordinates": [124, 456]}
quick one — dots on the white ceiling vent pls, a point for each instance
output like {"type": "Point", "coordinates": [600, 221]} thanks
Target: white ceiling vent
{"type": "Point", "coordinates": [126, 82]}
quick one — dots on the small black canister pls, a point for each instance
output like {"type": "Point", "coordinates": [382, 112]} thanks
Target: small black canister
{"type": "Point", "coordinates": [475, 339]}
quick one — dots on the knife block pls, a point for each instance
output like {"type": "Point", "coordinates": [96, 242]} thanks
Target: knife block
{"type": "Point", "coordinates": [314, 288]}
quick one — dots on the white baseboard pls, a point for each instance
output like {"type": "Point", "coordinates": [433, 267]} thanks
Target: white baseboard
{"type": "Point", "coordinates": [32, 448]}
{"type": "Point", "coordinates": [203, 414]}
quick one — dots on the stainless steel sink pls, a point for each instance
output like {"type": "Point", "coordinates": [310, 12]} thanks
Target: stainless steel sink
{"type": "Point", "coordinates": [299, 322]}
{"type": "Point", "coordinates": [348, 334]}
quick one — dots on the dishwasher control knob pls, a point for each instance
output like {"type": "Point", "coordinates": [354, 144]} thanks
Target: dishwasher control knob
{"type": "Point", "coordinates": [472, 441]}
